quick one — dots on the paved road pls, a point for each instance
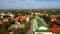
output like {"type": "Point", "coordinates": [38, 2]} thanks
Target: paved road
{"type": "Point", "coordinates": [30, 31]}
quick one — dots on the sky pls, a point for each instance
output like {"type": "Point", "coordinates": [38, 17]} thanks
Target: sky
{"type": "Point", "coordinates": [29, 4]}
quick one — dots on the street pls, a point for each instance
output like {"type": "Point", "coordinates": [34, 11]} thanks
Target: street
{"type": "Point", "coordinates": [30, 31]}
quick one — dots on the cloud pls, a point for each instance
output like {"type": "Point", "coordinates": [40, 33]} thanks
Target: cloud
{"type": "Point", "coordinates": [48, 0]}
{"type": "Point", "coordinates": [27, 4]}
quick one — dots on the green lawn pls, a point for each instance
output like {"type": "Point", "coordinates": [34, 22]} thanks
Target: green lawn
{"type": "Point", "coordinates": [39, 24]}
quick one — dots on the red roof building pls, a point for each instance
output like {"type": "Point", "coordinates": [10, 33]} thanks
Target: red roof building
{"type": "Point", "coordinates": [55, 28]}
{"type": "Point", "coordinates": [5, 19]}
{"type": "Point", "coordinates": [52, 16]}
{"type": "Point", "coordinates": [0, 21]}
{"type": "Point", "coordinates": [23, 17]}
{"type": "Point", "coordinates": [17, 18]}
{"type": "Point", "coordinates": [58, 21]}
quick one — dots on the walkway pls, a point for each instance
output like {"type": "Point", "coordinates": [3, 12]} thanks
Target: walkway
{"type": "Point", "coordinates": [30, 31]}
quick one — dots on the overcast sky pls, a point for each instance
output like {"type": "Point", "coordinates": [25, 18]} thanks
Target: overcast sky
{"type": "Point", "coordinates": [29, 4]}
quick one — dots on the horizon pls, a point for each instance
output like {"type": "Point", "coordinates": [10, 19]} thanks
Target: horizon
{"type": "Point", "coordinates": [29, 4]}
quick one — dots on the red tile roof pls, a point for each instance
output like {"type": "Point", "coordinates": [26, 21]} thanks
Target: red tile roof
{"type": "Point", "coordinates": [52, 17]}
{"type": "Point", "coordinates": [6, 19]}
{"type": "Point", "coordinates": [0, 21]}
{"type": "Point", "coordinates": [17, 18]}
{"type": "Point", "coordinates": [55, 28]}
{"type": "Point", "coordinates": [58, 21]}
{"type": "Point", "coordinates": [22, 17]}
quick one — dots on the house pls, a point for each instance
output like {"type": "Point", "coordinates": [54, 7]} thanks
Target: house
{"type": "Point", "coordinates": [27, 19]}
{"type": "Point", "coordinates": [17, 22]}
{"type": "Point", "coordinates": [55, 28]}
{"type": "Point", "coordinates": [58, 21]}
{"type": "Point", "coordinates": [53, 18]}
{"type": "Point", "coordinates": [23, 17]}
{"type": "Point", "coordinates": [2, 13]}
{"type": "Point", "coordinates": [17, 26]}
{"type": "Point", "coordinates": [17, 18]}
{"type": "Point", "coordinates": [5, 19]}
{"type": "Point", "coordinates": [11, 15]}
{"type": "Point", "coordinates": [1, 22]}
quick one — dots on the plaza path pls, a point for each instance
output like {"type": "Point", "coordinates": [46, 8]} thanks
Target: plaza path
{"type": "Point", "coordinates": [30, 31]}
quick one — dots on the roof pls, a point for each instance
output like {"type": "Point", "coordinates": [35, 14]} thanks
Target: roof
{"type": "Point", "coordinates": [58, 21]}
{"type": "Point", "coordinates": [52, 17]}
{"type": "Point", "coordinates": [17, 18]}
{"type": "Point", "coordinates": [0, 21]}
{"type": "Point", "coordinates": [55, 28]}
{"type": "Point", "coordinates": [6, 19]}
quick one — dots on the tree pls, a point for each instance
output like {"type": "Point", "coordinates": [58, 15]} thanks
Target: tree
{"type": "Point", "coordinates": [47, 19]}
{"type": "Point", "coordinates": [58, 17]}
